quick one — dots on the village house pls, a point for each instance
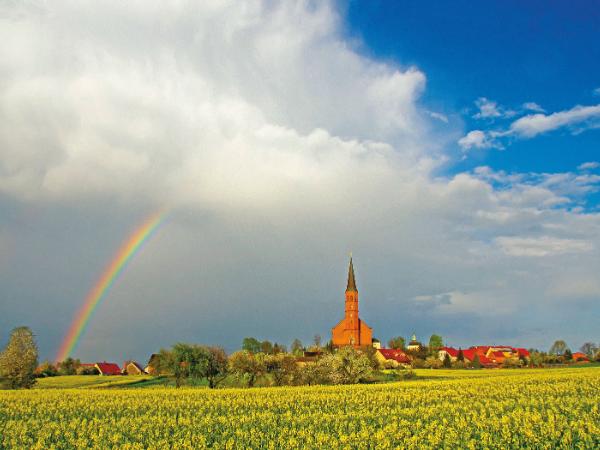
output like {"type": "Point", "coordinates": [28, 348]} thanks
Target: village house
{"type": "Point", "coordinates": [392, 358]}
{"type": "Point", "coordinates": [151, 367]}
{"type": "Point", "coordinates": [580, 357]}
{"type": "Point", "coordinates": [489, 356]}
{"type": "Point", "coordinates": [132, 368]}
{"type": "Point", "coordinates": [106, 368]}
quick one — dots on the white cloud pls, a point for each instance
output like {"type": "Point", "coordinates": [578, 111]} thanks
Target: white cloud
{"type": "Point", "coordinates": [280, 148]}
{"type": "Point", "coordinates": [193, 111]}
{"type": "Point", "coordinates": [532, 106]}
{"type": "Point", "coordinates": [589, 165]}
{"type": "Point", "coordinates": [489, 109]}
{"type": "Point", "coordinates": [596, 91]}
{"type": "Point", "coordinates": [541, 246]}
{"type": "Point", "coordinates": [480, 139]}
{"type": "Point", "coordinates": [439, 116]}
{"type": "Point", "coordinates": [531, 125]}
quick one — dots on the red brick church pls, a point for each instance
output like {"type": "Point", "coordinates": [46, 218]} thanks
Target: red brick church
{"type": "Point", "coordinates": [351, 330]}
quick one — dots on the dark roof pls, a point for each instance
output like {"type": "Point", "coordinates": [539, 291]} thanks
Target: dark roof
{"type": "Point", "coordinates": [351, 282]}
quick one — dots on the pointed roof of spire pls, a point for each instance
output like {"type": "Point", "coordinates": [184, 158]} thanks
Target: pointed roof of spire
{"type": "Point", "coordinates": [351, 282]}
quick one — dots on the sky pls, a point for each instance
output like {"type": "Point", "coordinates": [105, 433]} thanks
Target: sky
{"type": "Point", "coordinates": [453, 148]}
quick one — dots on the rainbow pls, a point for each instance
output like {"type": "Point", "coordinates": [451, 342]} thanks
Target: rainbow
{"type": "Point", "coordinates": [112, 271]}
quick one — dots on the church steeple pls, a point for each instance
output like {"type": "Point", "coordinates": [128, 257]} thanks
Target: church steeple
{"type": "Point", "coordinates": [351, 282]}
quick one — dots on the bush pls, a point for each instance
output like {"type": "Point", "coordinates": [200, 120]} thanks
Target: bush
{"type": "Point", "coordinates": [46, 369]}
{"type": "Point", "coordinates": [86, 370]}
{"type": "Point", "coordinates": [433, 363]}
{"type": "Point", "coordinates": [418, 363]}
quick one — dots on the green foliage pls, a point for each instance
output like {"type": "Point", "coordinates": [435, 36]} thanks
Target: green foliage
{"type": "Point", "coordinates": [69, 366]}
{"type": "Point", "coordinates": [558, 348]}
{"type": "Point", "coordinates": [248, 365]}
{"type": "Point", "coordinates": [461, 356]}
{"type": "Point", "coordinates": [397, 343]}
{"type": "Point", "coordinates": [251, 345]}
{"type": "Point", "coordinates": [217, 366]}
{"type": "Point", "coordinates": [19, 359]}
{"type": "Point", "coordinates": [476, 362]}
{"type": "Point", "coordinates": [347, 366]}
{"type": "Point", "coordinates": [46, 369]}
{"type": "Point", "coordinates": [282, 368]}
{"type": "Point", "coordinates": [447, 361]}
{"type": "Point", "coordinates": [435, 342]}
{"type": "Point", "coordinates": [297, 348]}
{"type": "Point", "coordinates": [184, 361]}
{"type": "Point", "coordinates": [433, 363]}
{"type": "Point", "coordinates": [266, 347]}
{"type": "Point", "coordinates": [568, 355]}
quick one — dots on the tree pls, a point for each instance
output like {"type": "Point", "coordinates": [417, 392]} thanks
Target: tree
{"type": "Point", "coordinates": [251, 345]}
{"type": "Point", "coordinates": [69, 366]}
{"type": "Point", "coordinates": [447, 361]}
{"type": "Point", "coordinates": [282, 368]}
{"type": "Point", "coordinates": [476, 362]}
{"type": "Point", "coordinates": [433, 363]}
{"type": "Point", "coordinates": [247, 365]}
{"type": "Point", "coordinates": [589, 348]}
{"type": "Point", "coordinates": [46, 369]}
{"type": "Point", "coordinates": [347, 366]}
{"type": "Point", "coordinates": [279, 348]}
{"type": "Point", "coordinates": [266, 347]}
{"type": "Point", "coordinates": [217, 366]}
{"type": "Point", "coordinates": [19, 359]}
{"type": "Point", "coordinates": [461, 356]}
{"type": "Point", "coordinates": [435, 343]}
{"type": "Point", "coordinates": [568, 355]}
{"type": "Point", "coordinates": [558, 348]}
{"type": "Point", "coordinates": [317, 341]}
{"type": "Point", "coordinates": [397, 343]}
{"type": "Point", "coordinates": [184, 361]}
{"type": "Point", "coordinates": [297, 348]}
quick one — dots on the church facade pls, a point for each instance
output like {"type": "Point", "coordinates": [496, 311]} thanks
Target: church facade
{"type": "Point", "coordinates": [351, 330]}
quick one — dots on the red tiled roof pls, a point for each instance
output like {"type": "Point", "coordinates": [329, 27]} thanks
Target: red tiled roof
{"type": "Point", "coordinates": [470, 355]}
{"type": "Point", "coordinates": [580, 355]}
{"type": "Point", "coordinates": [396, 355]}
{"type": "Point", "coordinates": [108, 368]}
{"type": "Point", "coordinates": [451, 351]}
{"type": "Point", "coordinates": [522, 352]}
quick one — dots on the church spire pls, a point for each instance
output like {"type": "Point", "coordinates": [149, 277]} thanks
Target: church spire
{"type": "Point", "coordinates": [351, 282]}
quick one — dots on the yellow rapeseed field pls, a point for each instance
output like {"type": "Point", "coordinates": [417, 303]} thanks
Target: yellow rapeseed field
{"type": "Point", "coordinates": [491, 409]}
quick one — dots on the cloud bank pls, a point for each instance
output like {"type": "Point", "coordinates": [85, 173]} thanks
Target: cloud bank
{"type": "Point", "coordinates": [279, 147]}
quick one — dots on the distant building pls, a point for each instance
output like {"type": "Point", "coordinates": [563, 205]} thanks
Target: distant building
{"type": "Point", "coordinates": [132, 368]}
{"type": "Point", "coordinates": [351, 330]}
{"type": "Point", "coordinates": [581, 357]}
{"type": "Point", "coordinates": [106, 368]}
{"type": "Point", "coordinates": [414, 345]}
{"type": "Point", "coordinates": [152, 366]}
{"type": "Point", "coordinates": [393, 357]}
{"type": "Point", "coordinates": [376, 343]}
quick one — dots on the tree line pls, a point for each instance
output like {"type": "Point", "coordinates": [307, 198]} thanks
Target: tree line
{"type": "Point", "coordinates": [269, 362]}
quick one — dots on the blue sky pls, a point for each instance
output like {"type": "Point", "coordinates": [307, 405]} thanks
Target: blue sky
{"type": "Point", "coordinates": [453, 147]}
{"type": "Point", "coordinates": [509, 52]}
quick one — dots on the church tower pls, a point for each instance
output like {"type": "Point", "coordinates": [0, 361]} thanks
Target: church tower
{"type": "Point", "coordinates": [351, 330]}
